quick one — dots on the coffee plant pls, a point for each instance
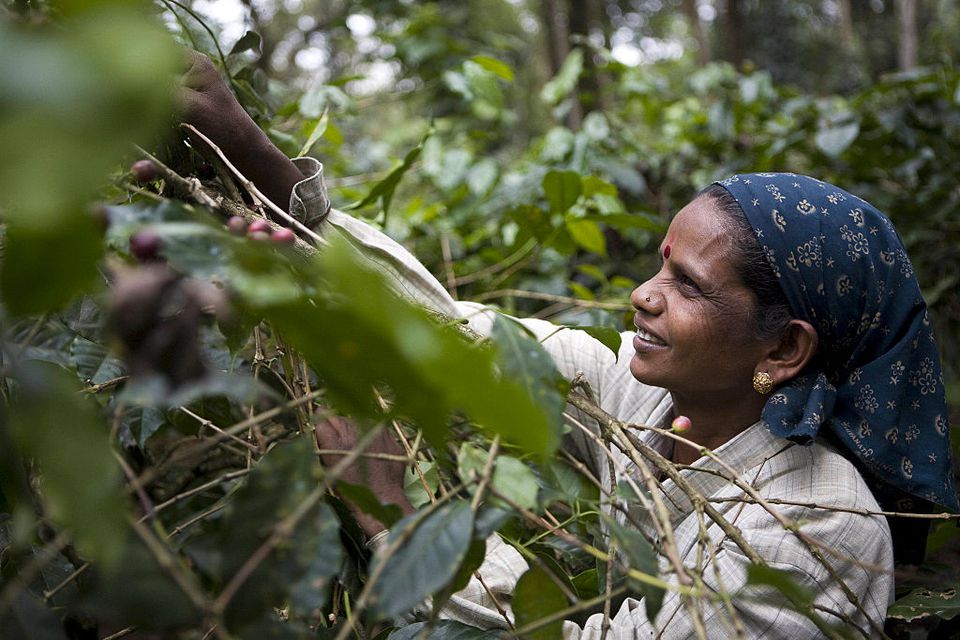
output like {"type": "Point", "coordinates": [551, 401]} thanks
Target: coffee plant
{"type": "Point", "coordinates": [169, 343]}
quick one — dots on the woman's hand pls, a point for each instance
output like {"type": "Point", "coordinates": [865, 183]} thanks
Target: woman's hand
{"type": "Point", "coordinates": [383, 477]}
{"type": "Point", "coordinates": [208, 104]}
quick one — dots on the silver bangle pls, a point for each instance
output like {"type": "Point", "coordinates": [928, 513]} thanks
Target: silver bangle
{"type": "Point", "coordinates": [375, 542]}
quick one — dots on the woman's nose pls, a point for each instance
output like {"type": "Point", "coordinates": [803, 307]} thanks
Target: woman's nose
{"type": "Point", "coordinates": [647, 298]}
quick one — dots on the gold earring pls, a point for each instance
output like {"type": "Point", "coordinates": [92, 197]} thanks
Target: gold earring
{"type": "Point", "coordinates": [762, 383]}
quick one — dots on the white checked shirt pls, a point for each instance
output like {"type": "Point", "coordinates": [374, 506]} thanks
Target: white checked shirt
{"type": "Point", "coordinates": [858, 548]}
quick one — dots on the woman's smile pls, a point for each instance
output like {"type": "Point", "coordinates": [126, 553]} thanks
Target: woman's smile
{"type": "Point", "coordinates": [646, 339]}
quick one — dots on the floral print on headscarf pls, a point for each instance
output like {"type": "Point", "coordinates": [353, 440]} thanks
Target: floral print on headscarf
{"type": "Point", "coordinates": [877, 383]}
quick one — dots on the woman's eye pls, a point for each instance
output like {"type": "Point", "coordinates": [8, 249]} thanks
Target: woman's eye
{"type": "Point", "coordinates": [687, 283]}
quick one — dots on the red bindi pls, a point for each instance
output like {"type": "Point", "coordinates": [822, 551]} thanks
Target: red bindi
{"type": "Point", "coordinates": [666, 252]}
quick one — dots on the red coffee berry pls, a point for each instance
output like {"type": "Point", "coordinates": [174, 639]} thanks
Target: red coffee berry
{"type": "Point", "coordinates": [237, 225]}
{"type": "Point", "coordinates": [259, 226]}
{"type": "Point", "coordinates": [145, 246]}
{"type": "Point", "coordinates": [681, 424]}
{"type": "Point", "coordinates": [144, 171]}
{"type": "Point", "coordinates": [283, 236]}
{"type": "Point", "coordinates": [258, 236]}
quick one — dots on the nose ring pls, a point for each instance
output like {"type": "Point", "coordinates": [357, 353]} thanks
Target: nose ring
{"type": "Point", "coordinates": [648, 298]}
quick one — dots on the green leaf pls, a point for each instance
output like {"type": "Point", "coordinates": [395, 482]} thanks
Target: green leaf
{"type": "Point", "coordinates": [369, 503]}
{"type": "Point", "coordinates": [93, 362]}
{"type": "Point", "coordinates": [608, 336]}
{"type": "Point", "coordinates": [277, 487]}
{"type": "Point", "coordinates": [557, 144]}
{"type": "Point", "coordinates": [445, 630]}
{"type": "Point", "coordinates": [413, 487]}
{"type": "Point", "coordinates": [470, 461]}
{"type": "Point", "coordinates": [426, 562]}
{"type": "Point", "coordinates": [536, 597]}
{"type": "Point", "coordinates": [471, 563]}
{"type": "Point", "coordinates": [587, 584]}
{"type": "Point", "coordinates": [498, 68]}
{"type": "Point", "coordinates": [250, 41]}
{"type": "Point", "coordinates": [566, 79]}
{"type": "Point", "coordinates": [58, 427]}
{"type": "Point", "coordinates": [580, 291]}
{"type": "Point", "coordinates": [384, 189]}
{"type": "Point", "coordinates": [923, 602]}
{"type": "Point", "coordinates": [27, 618]}
{"type": "Point", "coordinates": [317, 559]}
{"type": "Point", "coordinates": [643, 558]}
{"type": "Point", "coordinates": [524, 359]}
{"type": "Point", "coordinates": [316, 132]}
{"type": "Point", "coordinates": [39, 274]}
{"type": "Point", "coordinates": [800, 597]}
{"type": "Point", "coordinates": [835, 139]}
{"type": "Point", "coordinates": [511, 477]}
{"type": "Point", "coordinates": [562, 189]}
{"type": "Point", "coordinates": [432, 370]}
{"type": "Point", "coordinates": [144, 422]}
{"type": "Point", "coordinates": [587, 234]}
{"type": "Point", "coordinates": [322, 98]}
{"type": "Point", "coordinates": [137, 591]}
{"type": "Point", "coordinates": [514, 480]}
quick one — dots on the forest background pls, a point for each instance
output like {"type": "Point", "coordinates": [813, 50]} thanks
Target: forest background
{"type": "Point", "coordinates": [530, 152]}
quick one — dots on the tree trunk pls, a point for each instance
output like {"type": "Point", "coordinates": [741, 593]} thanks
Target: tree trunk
{"type": "Point", "coordinates": [846, 25]}
{"type": "Point", "coordinates": [907, 17]}
{"type": "Point", "coordinates": [696, 28]}
{"type": "Point", "coordinates": [583, 17]}
{"type": "Point", "coordinates": [558, 39]}
{"type": "Point", "coordinates": [734, 24]}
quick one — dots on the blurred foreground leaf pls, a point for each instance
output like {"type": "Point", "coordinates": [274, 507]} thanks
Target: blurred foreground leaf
{"type": "Point", "coordinates": [60, 429]}
{"type": "Point", "coordinates": [360, 333]}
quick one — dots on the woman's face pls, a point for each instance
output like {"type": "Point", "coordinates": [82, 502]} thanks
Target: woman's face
{"type": "Point", "coordinates": [694, 317]}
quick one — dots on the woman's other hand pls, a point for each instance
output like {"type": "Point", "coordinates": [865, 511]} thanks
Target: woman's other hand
{"type": "Point", "coordinates": [384, 477]}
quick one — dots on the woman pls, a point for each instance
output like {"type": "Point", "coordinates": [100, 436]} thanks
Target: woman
{"type": "Point", "coordinates": [785, 313]}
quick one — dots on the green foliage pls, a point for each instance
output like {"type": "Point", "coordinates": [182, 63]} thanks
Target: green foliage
{"type": "Point", "coordinates": [62, 432]}
{"type": "Point", "coordinates": [538, 595]}
{"type": "Point", "coordinates": [432, 548]}
{"type": "Point", "coordinates": [922, 603]}
{"type": "Point", "coordinates": [495, 192]}
{"type": "Point", "coordinates": [70, 107]}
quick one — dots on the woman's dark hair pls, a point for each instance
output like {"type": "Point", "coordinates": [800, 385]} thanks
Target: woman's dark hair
{"type": "Point", "coordinates": [773, 311]}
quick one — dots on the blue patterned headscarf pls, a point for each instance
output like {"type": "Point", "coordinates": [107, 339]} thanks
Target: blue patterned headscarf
{"type": "Point", "coordinates": [876, 384]}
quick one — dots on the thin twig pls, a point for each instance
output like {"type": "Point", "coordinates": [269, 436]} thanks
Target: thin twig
{"type": "Point", "coordinates": [284, 529]}
{"type": "Point", "coordinates": [493, 269]}
{"type": "Point", "coordinates": [29, 571]}
{"type": "Point", "coordinates": [550, 297]}
{"type": "Point", "coordinates": [169, 564]}
{"type": "Point", "coordinates": [210, 425]}
{"type": "Point", "coordinates": [252, 188]}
